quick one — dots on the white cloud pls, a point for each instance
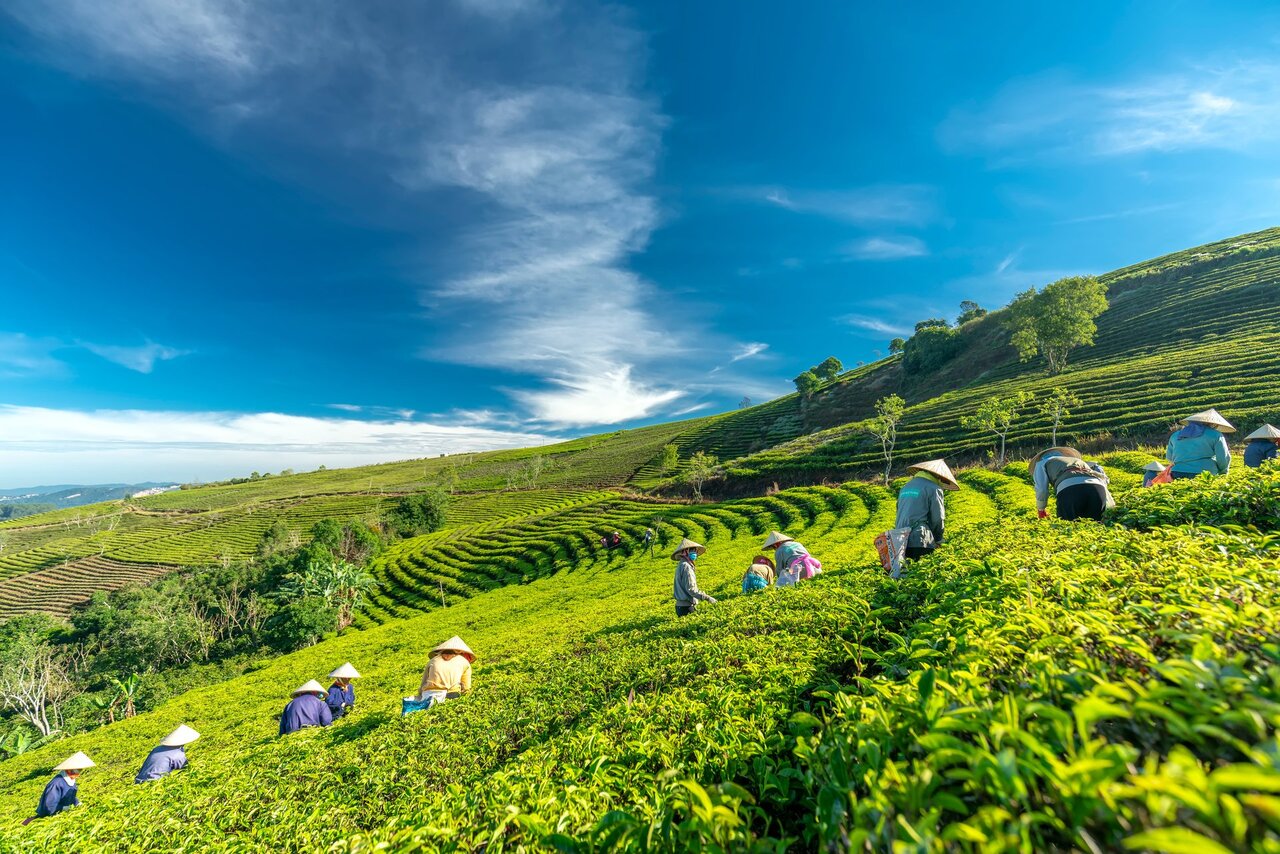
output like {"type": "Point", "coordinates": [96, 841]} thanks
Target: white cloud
{"type": "Point", "coordinates": [141, 359]}
{"type": "Point", "coordinates": [746, 351]}
{"type": "Point", "coordinates": [40, 444]}
{"type": "Point", "coordinates": [607, 397]}
{"type": "Point", "coordinates": [345, 407]}
{"type": "Point", "coordinates": [886, 248]}
{"type": "Point", "coordinates": [550, 160]}
{"type": "Point", "coordinates": [1231, 106]}
{"type": "Point", "coordinates": [908, 204]}
{"type": "Point", "coordinates": [877, 324]}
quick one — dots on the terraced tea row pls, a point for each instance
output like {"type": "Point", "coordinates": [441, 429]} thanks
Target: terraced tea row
{"type": "Point", "coordinates": [58, 589]}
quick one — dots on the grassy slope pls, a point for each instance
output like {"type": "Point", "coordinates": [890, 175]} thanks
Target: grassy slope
{"type": "Point", "coordinates": [802, 718]}
{"type": "Point", "coordinates": [1184, 332]}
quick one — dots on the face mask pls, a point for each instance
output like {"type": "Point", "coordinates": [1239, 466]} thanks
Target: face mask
{"type": "Point", "coordinates": [693, 557]}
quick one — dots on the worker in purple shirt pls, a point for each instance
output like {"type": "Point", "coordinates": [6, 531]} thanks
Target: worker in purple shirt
{"type": "Point", "coordinates": [307, 708]}
{"type": "Point", "coordinates": [342, 695]}
{"type": "Point", "coordinates": [170, 756]}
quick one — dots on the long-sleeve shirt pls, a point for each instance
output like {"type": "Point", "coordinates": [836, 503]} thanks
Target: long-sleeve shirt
{"type": "Point", "coordinates": [161, 761]}
{"type": "Point", "coordinates": [59, 795]}
{"type": "Point", "coordinates": [1198, 453]}
{"type": "Point", "coordinates": [1041, 481]}
{"type": "Point", "coordinates": [452, 676]}
{"type": "Point", "coordinates": [921, 507]}
{"type": "Point", "coordinates": [686, 585]}
{"type": "Point", "coordinates": [1260, 450]}
{"type": "Point", "coordinates": [304, 711]}
{"type": "Point", "coordinates": [787, 552]}
{"type": "Point", "coordinates": [340, 699]}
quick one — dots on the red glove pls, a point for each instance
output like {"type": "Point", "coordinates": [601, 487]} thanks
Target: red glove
{"type": "Point", "coordinates": [1043, 514]}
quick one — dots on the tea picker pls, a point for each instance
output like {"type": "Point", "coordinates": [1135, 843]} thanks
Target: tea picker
{"type": "Point", "coordinates": [922, 516]}
{"type": "Point", "coordinates": [170, 756]}
{"type": "Point", "coordinates": [1079, 487]}
{"type": "Point", "coordinates": [447, 677]}
{"type": "Point", "coordinates": [307, 708]}
{"type": "Point", "coordinates": [1264, 444]}
{"type": "Point", "coordinates": [793, 561]}
{"type": "Point", "coordinates": [342, 694]}
{"type": "Point", "coordinates": [1200, 446]}
{"type": "Point", "coordinates": [685, 589]}
{"type": "Point", "coordinates": [62, 792]}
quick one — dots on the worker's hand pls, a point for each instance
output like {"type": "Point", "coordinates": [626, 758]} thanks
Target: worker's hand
{"type": "Point", "coordinates": [1043, 514]}
{"type": "Point", "coordinates": [712, 600]}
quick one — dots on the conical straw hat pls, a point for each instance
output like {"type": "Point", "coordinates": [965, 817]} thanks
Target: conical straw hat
{"type": "Point", "coordinates": [775, 539]}
{"type": "Point", "coordinates": [346, 671]}
{"type": "Point", "coordinates": [687, 544]}
{"type": "Point", "coordinates": [311, 687]}
{"type": "Point", "coordinates": [456, 644]}
{"type": "Point", "coordinates": [1211, 418]}
{"type": "Point", "coordinates": [180, 736]}
{"type": "Point", "coordinates": [1056, 450]}
{"type": "Point", "coordinates": [1266, 431]}
{"type": "Point", "coordinates": [1154, 465]}
{"type": "Point", "coordinates": [939, 469]}
{"type": "Point", "coordinates": [75, 762]}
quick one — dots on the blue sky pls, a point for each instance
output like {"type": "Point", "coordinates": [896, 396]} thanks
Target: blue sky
{"type": "Point", "coordinates": [256, 236]}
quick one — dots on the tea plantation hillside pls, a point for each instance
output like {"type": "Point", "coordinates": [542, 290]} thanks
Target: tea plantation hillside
{"type": "Point", "coordinates": [1184, 332]}
{"type": "Point", "coordinates": [1033, 686]}
{"type": "Point", "coordinates": [53, 561]}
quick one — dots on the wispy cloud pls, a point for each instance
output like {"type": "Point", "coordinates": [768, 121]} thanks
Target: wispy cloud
{"type": "Point", "coordinates": [886, 248]}
{"type": "Point", "coordinates": [877, 324]}
{"type": "Point", "coordinates": [1231, 105]}
{"type": "Point", "coordinates": [23, 356]}
{"type": "Point", "coordinates": [550, 160]}
{"type": "Point", "coordinates": [906, 204]}
{"type": "Point", "coordinates": [142, 358]}
{"type": "Point", "coordinates": [747, 351]}
{"type": "Point", "coordinates": [130, 445]}
{"type": "Point", "coordinates": [1141, 210]}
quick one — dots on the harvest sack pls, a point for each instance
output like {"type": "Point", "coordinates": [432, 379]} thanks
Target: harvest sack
{"type": "Point", "coordinates": [805, 566]}
{"type": "Point", "coordinates": [892, 548]}
{"type": "Point", "coordinates": [751, 582]}
{"type": "Point", "coordinates": [1165, 476]}
{"type": "Point", "coordinates": [428, 699]}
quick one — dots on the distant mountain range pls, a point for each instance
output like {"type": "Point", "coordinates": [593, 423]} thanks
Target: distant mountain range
{"type": "Point", "coordinates": [74, 495]}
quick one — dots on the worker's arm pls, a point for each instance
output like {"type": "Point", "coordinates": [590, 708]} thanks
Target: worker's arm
{"type": "Point", "coordinates": [426, 680]}
{"type": "Point", "coordinates": [1040, 480]}
{"type": "Point", "coordinates": [1099, 472]}
{"type": "Point", "coordinates": [937, 515]}
{"type": "Point", "coordinates": [692, 587]}
{"type": "Point", "coordinates": [1222, 455]}
{"type": "Point", "coordinates": [465, 682]}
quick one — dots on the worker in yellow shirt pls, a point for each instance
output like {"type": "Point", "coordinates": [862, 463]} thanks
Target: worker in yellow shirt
{"type": "Point", "coordinates": [448, 673]}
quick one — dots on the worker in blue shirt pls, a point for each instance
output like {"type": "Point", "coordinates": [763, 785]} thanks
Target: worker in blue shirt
{"type": "Point", "coordinates": [62, 792]}
{"type": "Point", "coordinates": [342, 695]}
{"type": "Point", "coordinates": [307, 708]}
{"type": "Point", "coordinates": [170, 756]}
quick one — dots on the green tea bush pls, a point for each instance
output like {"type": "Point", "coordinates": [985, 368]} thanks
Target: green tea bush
{"type": "Point", "coordinates": [1243, 497]}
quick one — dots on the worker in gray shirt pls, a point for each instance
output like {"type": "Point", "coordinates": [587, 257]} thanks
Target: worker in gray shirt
{"type": "Point", "coordinates": [686, 585]}
{"type": "Point", "coordinates": [920, 506]}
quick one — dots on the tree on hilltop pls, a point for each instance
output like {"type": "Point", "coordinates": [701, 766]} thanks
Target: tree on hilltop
{"type": "Point", "coordinates": [420, 513]}
{"type": "Point", "coordinates": [969, 310]}
{"type": "Point", "coordinates": [884, 426]}
{"type": "Point", "coordinates": [828, 370]}
{"type": "Point", "coordinates": [1057, 406]}
{"type": "Point", "coordinates": [1056, 320]}
{"type": "Point", "coordinates": [896, 346]}
{"type": "Point", "coordinates": [996, 416]}
{"type": "Point", "coordinates": [807, 383]}
{"type": "Point", "coordinates": [930, 323]}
